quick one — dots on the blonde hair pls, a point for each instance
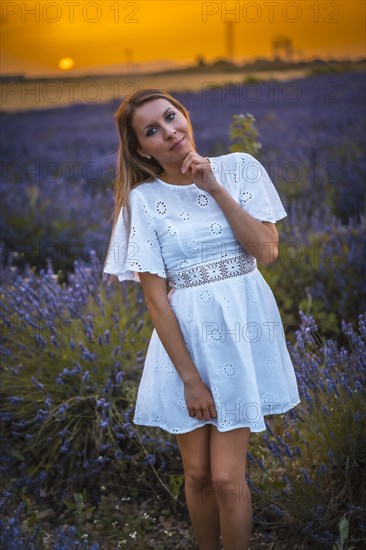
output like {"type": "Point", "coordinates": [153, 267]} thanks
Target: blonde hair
{"type": "Point", "coordinates": [131, 168]}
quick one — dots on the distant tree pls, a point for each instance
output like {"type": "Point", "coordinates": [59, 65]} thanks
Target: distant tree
{"type": "Point", "coordinates": [200, 60]}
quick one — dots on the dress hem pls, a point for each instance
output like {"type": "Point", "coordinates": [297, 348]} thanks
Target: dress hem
{"type": "Point", "coordinates": [227, 429]}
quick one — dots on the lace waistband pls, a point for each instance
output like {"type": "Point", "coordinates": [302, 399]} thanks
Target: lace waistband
{"type": "Point", "coordinates": [211, 272]}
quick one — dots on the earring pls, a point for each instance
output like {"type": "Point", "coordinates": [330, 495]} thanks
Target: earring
{"type": "Point", "coordinates": [148, 156]}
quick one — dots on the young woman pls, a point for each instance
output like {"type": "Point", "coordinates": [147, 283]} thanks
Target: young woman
{"type": "Point", "coordinates": [217, 361]}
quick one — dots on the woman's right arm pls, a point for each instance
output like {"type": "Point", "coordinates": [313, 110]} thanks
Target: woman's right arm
{"type": "Point", "coordinates": [198, 398]}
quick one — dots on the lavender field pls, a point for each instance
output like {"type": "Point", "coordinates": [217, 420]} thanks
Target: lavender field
{"type": "Point", "coordinates": [76, 472]}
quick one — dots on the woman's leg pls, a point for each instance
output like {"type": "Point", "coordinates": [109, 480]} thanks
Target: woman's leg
{"type": "Point", "coordinates": [201, 499]}
{"type": "Point", "coordinates": [228, 466]}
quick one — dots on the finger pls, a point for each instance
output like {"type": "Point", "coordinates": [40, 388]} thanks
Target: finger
{"type": "Point", "coordinates": [193, 169]}
{"type": "Point", "coordinates": [185, 167]}
{"type": "Point", "coordinates": [213, 411]}
{"type": "Point", "coordinates": [188, 166]}
{"type": "Point", "coordinates": [191, 411]}
{"type": "Point", "coordinates": [206, 411]}
{"type": "Point", "coordinates": [207, 414]}
{"type": "Point", "coordinates": [207, 171]}
{"type": "Point", "coordinates": [190, 160]}
{"type": "Point", "coordinates": [186, 162]}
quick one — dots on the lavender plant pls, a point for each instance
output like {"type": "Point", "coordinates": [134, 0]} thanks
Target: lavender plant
{"type": "Point", "coordinates": [315, 270]}
{"type": "Point", "coordinates": [310, 475]}
{"type": "Point", "coordinates": [58, 222]}
{"type": "Point", "coordinates": [73, 350]}
{"type": "Point", "coordinates": [73, 357]}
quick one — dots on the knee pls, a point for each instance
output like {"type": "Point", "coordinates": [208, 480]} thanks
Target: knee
{"type": "Point", "coordinates": [197, 478]}
{"type": "Point", "coordinates": [223, 476]}
{"type": "Point", "coordinates": [231, 485]}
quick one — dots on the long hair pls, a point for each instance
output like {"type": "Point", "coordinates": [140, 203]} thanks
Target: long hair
{"type": "Point", "coordinates": [131, 168]}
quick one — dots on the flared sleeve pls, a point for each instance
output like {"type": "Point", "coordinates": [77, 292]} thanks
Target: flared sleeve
{"type": "Point", "coordinates": [137, 250]}
{"type": "Point", "coordinates": [258, 195]}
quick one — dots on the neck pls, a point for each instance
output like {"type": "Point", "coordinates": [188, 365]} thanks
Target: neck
{"type": "Point", "coordinates": [173, 174]}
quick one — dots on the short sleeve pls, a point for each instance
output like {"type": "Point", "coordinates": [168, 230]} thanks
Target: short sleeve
{"type": "Point", "coordinates": [138, 252]}
{"type": "Point", "coordinates": [258, 195]}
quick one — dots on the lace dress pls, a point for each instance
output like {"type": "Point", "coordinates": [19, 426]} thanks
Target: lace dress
{"type": "Point", "coordinates": [226, 310]}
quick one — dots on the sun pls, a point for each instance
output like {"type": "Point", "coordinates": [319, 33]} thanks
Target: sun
{"type": "Point", "coordinates": [66, 63]}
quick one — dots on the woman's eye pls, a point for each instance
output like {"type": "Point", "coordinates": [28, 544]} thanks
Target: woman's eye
{"type": "Point", "coordinates": [151, 132]}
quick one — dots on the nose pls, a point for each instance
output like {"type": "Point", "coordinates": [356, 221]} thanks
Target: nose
{"type": "Point", "coordinates": [169, 132]}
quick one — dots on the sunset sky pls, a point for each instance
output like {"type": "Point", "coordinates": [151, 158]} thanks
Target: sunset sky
{"type": "Point", "coordinates": [100, 36]}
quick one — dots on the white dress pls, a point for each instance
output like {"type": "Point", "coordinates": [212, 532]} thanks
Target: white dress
{"type": "Point", "coordinates": [226, 310]}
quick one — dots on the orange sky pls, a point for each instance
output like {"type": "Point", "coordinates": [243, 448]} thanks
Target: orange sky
{"type": "Point", "coordinates": [35, 35]}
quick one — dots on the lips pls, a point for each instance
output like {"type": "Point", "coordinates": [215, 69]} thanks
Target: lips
{"type": "Point", "coordinates": [176, 144]}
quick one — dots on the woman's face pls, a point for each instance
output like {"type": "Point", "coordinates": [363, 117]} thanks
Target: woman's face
{"type": "Point", "coordinates": [159, 126]}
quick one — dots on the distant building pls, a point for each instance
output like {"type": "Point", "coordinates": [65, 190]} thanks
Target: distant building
{"type": "Point", "coordinates": [282, 44]}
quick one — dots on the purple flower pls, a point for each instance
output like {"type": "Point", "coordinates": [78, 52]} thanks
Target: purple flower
{"type": "Point", "coordinates": [65, 447]}
{"type": "Point", "coordinates": [149, 459]}
{"type": "Point", "coordinates": [305, 474]}
{"type": "Point", "coordinates": [118, 455]}
{"type": "Point", "coordinates": [86, 376]}
{"type": "Point", "coordinates": [41, 416]}
{"type": "Point", "coordinates": [37, 383]}
{"type": "Point", "coordinates": [119, 377]}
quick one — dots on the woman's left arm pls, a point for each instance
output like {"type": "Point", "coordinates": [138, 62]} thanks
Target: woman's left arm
{"type": "Point", "coordinates": [260, 239]}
